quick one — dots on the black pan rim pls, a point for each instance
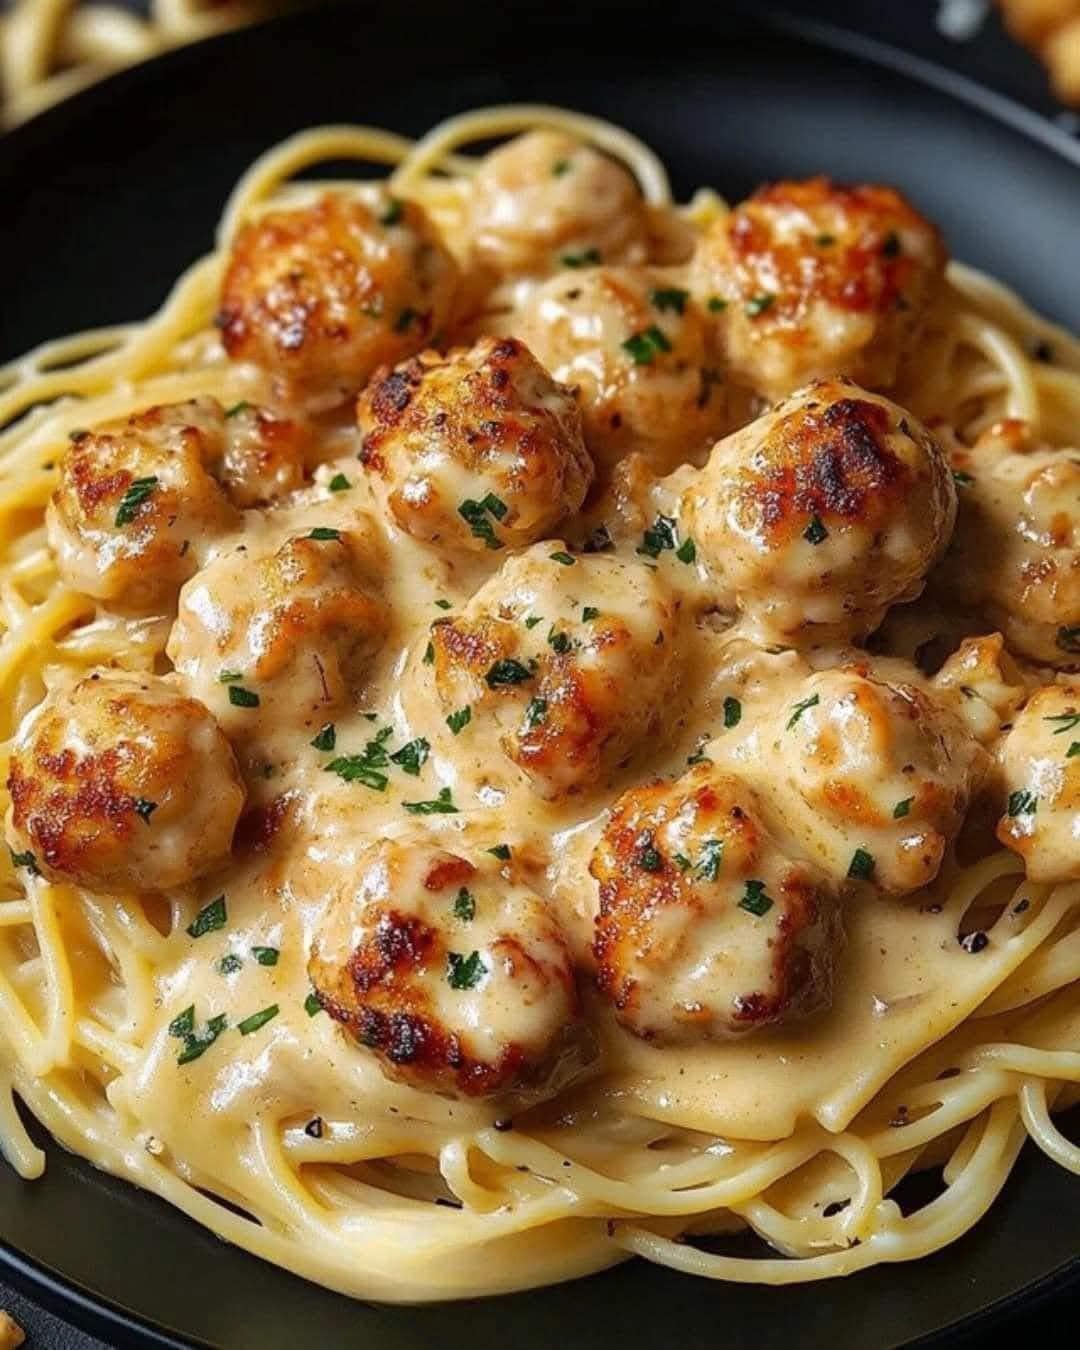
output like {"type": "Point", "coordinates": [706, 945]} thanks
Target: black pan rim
{"type": "Point", "coordinates": [101, 1316]}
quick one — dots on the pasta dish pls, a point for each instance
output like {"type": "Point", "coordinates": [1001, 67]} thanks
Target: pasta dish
{"type": "Point", "coordinates": [541, 723]}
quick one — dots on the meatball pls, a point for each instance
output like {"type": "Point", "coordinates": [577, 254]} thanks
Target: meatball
{"type": "Point", "coordinates": [809, 280]}
{"type": "Point", "coordinates": [546, 201]}
{"type": "Point", "coordinates": [322, 294]}
{"type": "Point", "coordinates": [1016, 554]}
{"type": "Point", "coordinates": [569, 660]}
{"type": "Point", "coordinates": [451, 971]}
{"type": "Point", "coordinates": [478, 450]}
{"type": "Point", "coordinates": [635, 349]}
{"type": "Point", "coordinates": [122, 783]}
{"type": "Point", "coordinates": [706, 927]}
{"type": "Point", "coordinates": [822, 513]}
{"type": "Point", "coordinates": [1041, 762]}
{"type": "Point", "coordinates": [873, 778]}
{"type": "Point", "coordinates": [136, 505]}
{"type": "Point", "coordinates": [264, 457]}
{"type": "Point", "coordinates": [280, 640]}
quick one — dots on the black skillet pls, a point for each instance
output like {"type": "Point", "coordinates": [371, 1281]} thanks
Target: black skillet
{"type": "Point", "coordinates": [107, 197]}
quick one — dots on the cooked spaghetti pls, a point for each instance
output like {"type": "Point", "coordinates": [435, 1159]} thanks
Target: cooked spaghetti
{"type": "Point", "coordinates": [538, 723]}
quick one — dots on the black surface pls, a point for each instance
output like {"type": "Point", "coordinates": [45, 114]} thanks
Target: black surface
{"type": "Point", "coordinates": [112, 194]}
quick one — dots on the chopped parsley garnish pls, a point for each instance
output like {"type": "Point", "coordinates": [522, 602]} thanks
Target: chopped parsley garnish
{"type": "Point", "coordinates": [464, 972]}
{"type": "Point", "coordinates": [732, 712]}
{"type": "Point", "coordinates": [532, 620]}
{"type": "Point", "coordinates": [229, 964]}
{"type": "Point", "coordinates": [717, 304]}
{"type": "Point", "coordinates": [458, 721]}
{"type": "Point", "coordinates": [183, 1024]}
{"type": "Point", "coordinates": [145, 809]}
{"type": "Point", "coordinates": [229, 676]}
{"type": "Point", "coordinates": [393, 213]}
{"type": "Point", "coordinates": [710, 860]}
{"type": "Point", "coordinates": [961, 478]}
{"type": "Point", "coordinates": [266, 956]}
{"type": "Point", "coordinates": [1073, 750]}
{"type": "Point", "coordinates": [133, 498]}
{"type": "Point", "coordinates": [209, 918]}
{"type": "Point", "coordinates": [682, 862]}
{"type": "Point", "coordinates": [560, 167]}
{"type": "Point", "coordinates": [26, 860]}
{"type": "Point", "coordinates": [257, 1020]}
{"type": "Point", "coordinates": [312, 1006]}
{"type": "Point", "coordinates": [237, 408]}
{"type": "Point", "coordinates": [240, 697]}
{"type": "Point", "coordinates": [404, 320]}
{"type": "Point", "coordinates": [758, 304]}
{"type": "Point", "coordinates": [412, 756]}
{"type": "Point", "coordinates": [1022, 803]}
{"type": "Point", "coordinates": [589, 613]}
{"type": "Point", "coordinates": [699, 756]}
{"type": "Point", "coordinates": [559, 642]}
{"type": "Point", "coordinates": [501, 851]}
{"type": "Point", "coordinates": [825, 240]}
{"type": "Point", "coordinates": [476, 515]}
{"type": "Point", "coordinates": [465, 905]}
{"type": "Point", "coordinates": [339, 483]}
{"type": "Point", "coordinates": [535, 713]}
{"type": "Point", "coordinates": [755, 900]}
{"type": "Point", "coordinates": [649, 858]}
{"type": "Point", "coordinates": [364, 768]}
{"type": "Point", "coordinates": [815, 532]}
{"type": "Point", "coordinates": [326, 739]}
{"type": "Point", "coordinates": [429, 654]}
{"type": "Point", "coordinates": [443, 604]}
{"type": "Point", "coordinates": [861, 867]}
{"type": "Point", "coordinates": [659, 536]}
{"type": "Point", "coordinates": [507, 672]}
{"type": "Point", "coordinates": [443, 805]}
{"type": "Point", "coordinates": [901, 809]}
{"type": "Point", "coordinates": [671, 297]}
{"type": "Point", "coordinates": [586, 258]}
{"type": "Point", "coordinates": [1065, 721]}
{"type": "Point", "coordinates": [195, 1044]}
{"type": "Point", "coordinates": [566, 559]}
{"type": "Point", "coordinates": [891, 246]}
{"type": "Point", "coordinates": [800, 708]}
{"type": "Point", "coordinates": [324, 532]}
{"type": "Point", "coordinates": [644, 346]}
{"type": "Point", "coordinates": [687, 551]}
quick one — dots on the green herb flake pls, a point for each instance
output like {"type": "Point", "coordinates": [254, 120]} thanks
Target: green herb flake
{"type": "Point", "coordinates": [559, 642]}
{"type": "Point", "coordinates": [144, 808]}
{"type": "Point", "coordinates": [1065, 722]}
{"type": "Point", "coordinates": [501, 851]}
{"type": "Point", "coordinates": [229, 676]}
{"type": "Point", "coordinates": [560, 167]}
{"type": "Point", "coordinates": [682, 862]}
{"type": "Point", "coordinates": [240, 697]}
{"type": "Point", "coordinates": [800, 708]}
{"type": "Point", "coordinates": [138, 491]}
{"type": "Point", "coordinates": [429, 654]}
{"type": "Point", "coordinates": [649, 858]}
{"type": "Point", "coordinates": [659, 536]}
{"type": "Point", "coordinates": [507, 672]}
{"type": "Point", "coordinates": [26, 860]}
{"type": "Point", "coordinates": [815, 532]}
{"type": "Point", "coordinates": [687, 551]}
{"type": "Point", "coordinates": [566, 559]}
{"type": "Point", "coordinates": [229, 964]}
{"type": "Point", "coordinates": [312, 1006]}
{"type": "Point", "coordinates": [458, 721]}
{"type": "Point", "coordinates": [183, 1024]}
{"type": "Point", "coordinates": [257, 1020]}
{"type": "Point", "coordinates": [358, 769]}
{"type": "Point", "coordinates": [393, 213]}
{"type": "Point", "coordinates": [196, 1045]}
{"type": "Point", "coordinates": [645, 346]}
{"type": "Point", "coordinates": [1073, 750]}
{"type": "Point", "coordinates": [1022, 803]}
{"type": "Point", "coordinates": [322, 533]}
{"type": "Point", "coordinates": [412, 756]}
{"type": "Point", "coordinates": [758, 304]}
{"type": "Point", "coordinates": [339, 483]}
{"type": "Point", "coordinates": [238, 408]}
{"type": "Point", "coordinates": [266, 956]}
{"type": "Point", "coordinates": [961, 478]}
{"type": "Point", "coordinates": [326, 739]}
{"type": "Point", "coordinates": [755, 901]}
{"type": "Point", "coordinates": [901, 809]}
{"type": "Point", "coordinates": [443, 604]}
{"type": "Point", "coordinates": [825, 240]}
{"type": "Point", "coordinates": [475, 514]}
{"type": "Point", "coordinates": [589, 613]}
{"type": "Point", "coordinates": [535, 713]}
{"type": "Point", "coordinates": [861, 867]}
{"type": "Point", "coordinates": [443, 805]}
{"type": "Point", "coordinates": [465, 905]}
{"type": "Point", "coordinates": [464, 972]}
{"type": "Point", "coordinates": [210, 918]}
{"type": "Point", "coordinates": [588, 257]}
{"type": "Point", "coordinates": [710, 860]}
{"type": "Point", "coordinates": [732, 712]}
{"type": "Point", "coordinates": [716, 304]}
{"type": "Point", "coordinates": [532, 620]}
{"type": "Point", "coordinates": [669, 298]}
